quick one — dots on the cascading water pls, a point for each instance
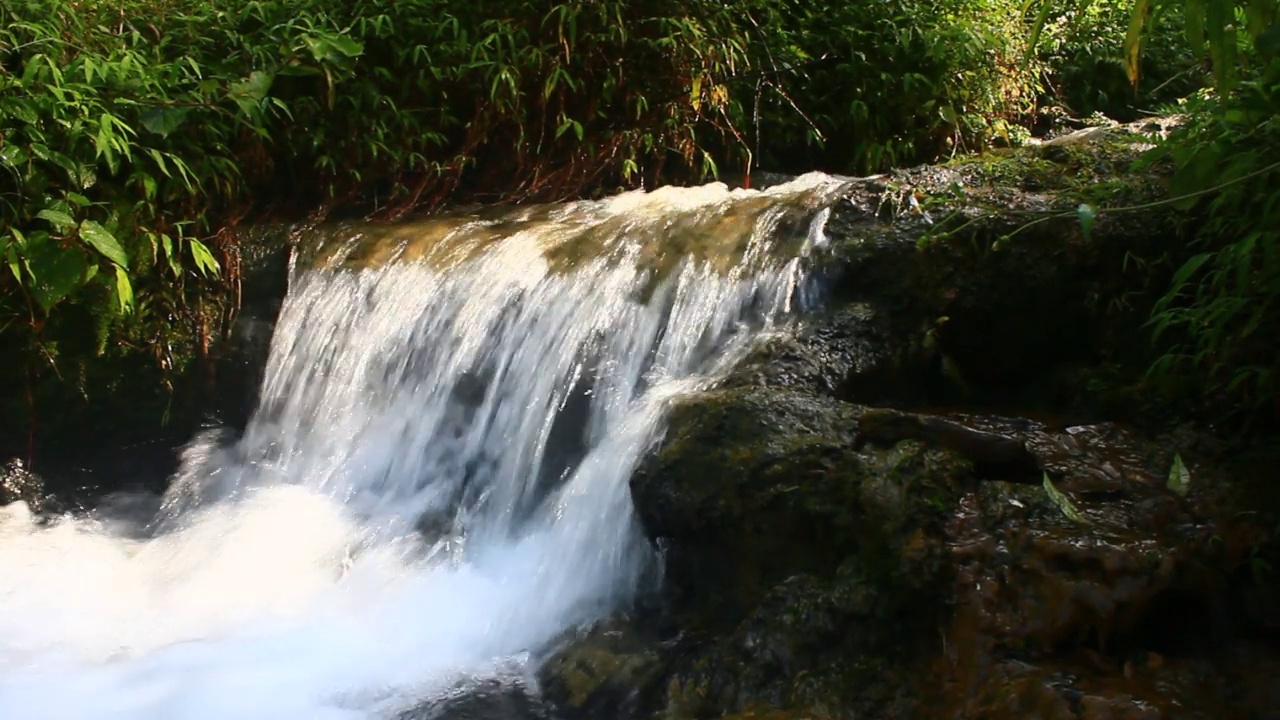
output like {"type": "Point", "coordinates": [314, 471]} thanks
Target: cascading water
{"type": "Point", "coordinates": [434, 486]}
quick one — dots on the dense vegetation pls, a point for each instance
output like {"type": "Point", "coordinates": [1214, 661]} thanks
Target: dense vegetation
{"type": "Point", "coordinates": [136, 135]}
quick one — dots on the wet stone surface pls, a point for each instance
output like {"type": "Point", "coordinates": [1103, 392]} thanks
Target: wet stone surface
{"type": "Point", "coordinates": [856, 525]}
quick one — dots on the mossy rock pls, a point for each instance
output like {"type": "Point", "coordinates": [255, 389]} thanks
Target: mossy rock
{"type": "Point", "coordinates": [609, 669]}
{"type": "Point", "coordinates": [982, 266]}
{"type": "Point", "coordinates": [752, 486]}
{"type": "Point", "coordinates": [828, 648]}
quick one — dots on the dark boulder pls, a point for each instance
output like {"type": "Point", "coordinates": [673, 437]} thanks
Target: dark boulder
{"type": "Point", "coordinates": [751, 486]}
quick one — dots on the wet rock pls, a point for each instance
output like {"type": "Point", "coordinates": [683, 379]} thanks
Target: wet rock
{"type": "Point", "coordinates": [991, 451]}
{"type": "Point", "coordinates": [483, 699]}
{"type": "Point", "coordinates": [826, 559]}
{"type": "Point", "coordinates": [17, 484]}
{"type": "Point", "coordinates": [751, 486]}
{"type": "Point", "coordinates": [265, 256]}
{"type": "Point", "coordinates": [813, 647]}
{"type": "Point", "coordinates": [609, 670]}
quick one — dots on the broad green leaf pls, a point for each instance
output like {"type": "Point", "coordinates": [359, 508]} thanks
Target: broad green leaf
{"type": "Point", "coordinates": [1063, 502]}
{"type": "Point", "coordinates": [57, 218]}
{"type": "Point", "coordinates": [1086, 215]}
{"type": "Point", "coordinates": [1179, 477]}
{"type": "Point", "coordinates": [205, 261]}
{"type": "Point", "coordinates": [164, 120]}
{"type": "Point", "coordinates": [254, 87]}
{"type": "Point", "coordinates": [55, 271]}
{"type": "Point", "coordinates": [347, 46]}
{"type": "Point", "coordinates": [22, 111]}
{"type": "Point", "coordinates": [104, 242]}
{"type": "Point", "coordinates": [124, 289]}
{"type": "Point", "coordinates": [332, 48]}
{"type": "Point", "coordinates": [13, 155]}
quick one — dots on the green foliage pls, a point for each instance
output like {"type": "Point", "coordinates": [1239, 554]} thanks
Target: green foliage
{"type": "Point", "coordinates": [1212, 323]}
{"type": "Point", "coordinates": [1081, 46]}
{"type": "Point", "coordinates": [1223, 303]}
{"type": "Point", "coordinates": [886, 84]}
{"type": "Point", "coordinates": [133, 132]}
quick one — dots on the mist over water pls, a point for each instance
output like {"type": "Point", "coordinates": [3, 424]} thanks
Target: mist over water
{"type": "Point", "coordinates": [434, 487]}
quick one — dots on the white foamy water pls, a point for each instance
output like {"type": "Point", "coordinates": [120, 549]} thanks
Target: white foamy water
{"type": "Point", "coordinates": [434, 486]}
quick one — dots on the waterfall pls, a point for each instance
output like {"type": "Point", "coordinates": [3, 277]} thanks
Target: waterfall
{"type": "Point", "coordinates": [434, 485]}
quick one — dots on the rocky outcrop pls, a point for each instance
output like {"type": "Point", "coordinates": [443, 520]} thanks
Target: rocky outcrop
{"type": "Point", "coordinates": [923, 504]}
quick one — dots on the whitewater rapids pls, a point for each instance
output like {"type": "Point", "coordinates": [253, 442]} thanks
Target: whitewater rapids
{"type": "Point", "coordinates": [434, 486]}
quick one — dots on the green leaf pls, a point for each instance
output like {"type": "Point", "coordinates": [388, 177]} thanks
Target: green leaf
{"type": "Point", "coordinates": [255, 87]}
{"type": "Point", "coordinates": [1037, 26]}
{"type": "Point", "coordinates": [55, 271]}
{"type": "Point", "coordinates": [164, 120]}
{"type": "Point", "coordinates": [1063, 502]}
{"type": "Point", "coordinates": [104, 242]}
{"type": "Point", "coordinates": [347, 46]}
{"type": "Point", "coordinates": [1086, 214]}
{"type": "Point", "coordinates": [1193, 19]}
{"type": "Point", "coordinates": [22, 111]}
{"type": "Point", "coordinates": [57, 218]}
{"type": "Point", "coordinates": [14, 262]}
{"type": "Point", "coordinates": [124, 289]}
{"type": "Point", "coordinates": [1133, 40]}
{"type": "Point", "coordinates": [205, 261]}
{"type": "Point", "coordinates": [1179, 477]}
{"type": "Point", "coordinates": [13, 155]}
{"type": "Point", "coordinates": [175, 265]}
{"type": "Point", "coordinates": [1188, 269]}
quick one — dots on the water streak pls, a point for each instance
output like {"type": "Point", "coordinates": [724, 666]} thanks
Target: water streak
{"type": "Point", "coordinates": [435, 482]}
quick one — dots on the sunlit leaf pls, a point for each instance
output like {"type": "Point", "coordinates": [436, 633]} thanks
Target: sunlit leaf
{"type": "Point", "coordinates": [100, 239]}
{"type": "Point", "coordinates": [57, 218]}
{"type": "Point", "coordinates": [205, 261]}
{"type": "Point", "coordinates": [13, 155]}
{"type": "Point", "coordinates": [124, 289]}
{"type": "Point", "coordinates": [1063, 502]}
{"type": "Point", "coordinates": [1179, 477]}
{"type": "Point", "coordinates": [1133, 40]}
